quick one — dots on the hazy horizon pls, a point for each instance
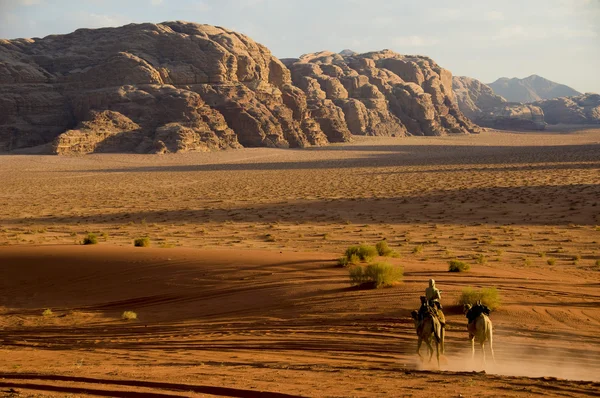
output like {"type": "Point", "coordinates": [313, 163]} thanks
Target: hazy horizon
{"type": "Point", "coordinates": [487, 40]}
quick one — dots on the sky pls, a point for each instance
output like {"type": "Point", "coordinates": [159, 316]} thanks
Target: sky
{"type": "Point", "coordinates": [484, 39]}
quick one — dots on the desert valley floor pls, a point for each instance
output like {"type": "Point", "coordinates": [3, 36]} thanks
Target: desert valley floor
{"type": "Point", "coordinates": [240, 295]}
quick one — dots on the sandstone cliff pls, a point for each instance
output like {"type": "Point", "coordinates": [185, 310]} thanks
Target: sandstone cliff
{"type": "Point", "coordinates": [382, 93]}
{"type": "Point", "coordinates": [185, 86]}
{"type": "Point", "coordinates": [583, 109]}
{"type": "Point", "coordinates": [478, 102]}
{"type": "Point", "coordinates": [179, 86]}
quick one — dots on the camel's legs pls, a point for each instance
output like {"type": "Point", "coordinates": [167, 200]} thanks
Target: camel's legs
{"type": "Point", "coordinates": [430, 347]}
{"type": "Point", "coordinates": [419, 348]}
{"type": "Point", "coordinates": [472, 347]}
{"type": "Point", "coordinates": [482, 353]}
{"type": "Point", "coordinates": [492, 347]}
{"type": "Point", "coordinates": [437, 352]}
{"type": "Point", "coordinates": [443, 337]}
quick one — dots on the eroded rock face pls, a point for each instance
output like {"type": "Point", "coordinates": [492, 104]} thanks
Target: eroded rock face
{"type": "Point", "coordinates": [583, 109]}
{"type": "Point", "coordinates": [188, 87]}
{"type": "Point", "coordinates": [478, 102]}
{"type": "Point", "coordinates": [179, 86]}
{"type": "Point", "coordinates": [379, 93]}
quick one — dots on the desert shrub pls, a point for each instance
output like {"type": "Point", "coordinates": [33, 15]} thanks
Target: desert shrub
{"type": "Point", "coordinates": [551, 261]}
{"type": "Point", "coordinates": [418, 249]}
{"type": "Point", "coordinates": [375, 275]}
{"type": "Point", "coordinates": [47, 312]}
{"type": "Point", "coordinates": [343, 261]}
{"type": "Point", "coordinates": [488, 296]}
{"type": "Point", "coordinates": [142, 242]}
{"type": "Point", "coordinates": [362, 252]}
{"type": "Point", "coordinates": [458, 266]}
{"type": "Point", "coordinates": [129, 316]}
{"type": "Point", "coordinates": [481, 258]}
{"type": "Point", "coordinates": [597, 263]}
{"type": "Point", "coordinates": [384, 250]}
{"type": "Point", "coordinates": [90, 239]}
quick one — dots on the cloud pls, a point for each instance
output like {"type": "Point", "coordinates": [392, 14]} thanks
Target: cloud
{"type": "Point", "coordinates": [156, 2]}
{"type": "Point", "coordinates": [92, 20]}
{"type": "Point", "coordinates": [493, 16]}
{"type": "Point", "coordinates": [415, 41]}
{"type": "Point", "coordinates": [445, 14]}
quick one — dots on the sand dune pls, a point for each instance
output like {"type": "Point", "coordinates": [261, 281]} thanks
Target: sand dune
{"type": "Point", "coordinates": [239, 293]}
{"type": "Point", "coordinates": [200, 311]}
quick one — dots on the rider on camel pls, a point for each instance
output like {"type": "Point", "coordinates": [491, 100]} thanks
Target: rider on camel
{"type": "Point", "coordinates": [432, 300]}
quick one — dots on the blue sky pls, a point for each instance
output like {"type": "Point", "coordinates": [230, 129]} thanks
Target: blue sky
{"type": "Point", "coordinates": [484, 39]}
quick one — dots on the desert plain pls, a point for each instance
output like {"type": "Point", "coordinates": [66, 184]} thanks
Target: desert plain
{"type": "Point", "coordinates": [239, 293]}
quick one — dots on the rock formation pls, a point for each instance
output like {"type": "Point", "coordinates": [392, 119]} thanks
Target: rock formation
{"type": "Point", "coordinates": [179, 86]}
{"type": "Point", "coordinates": [583, 109]}
{"type": "Point", "coordinates": [530, 89]}
{"type": "Point", "coordinates": [381, 93]}
{"type": "Point", "coordinates": [478, 102]}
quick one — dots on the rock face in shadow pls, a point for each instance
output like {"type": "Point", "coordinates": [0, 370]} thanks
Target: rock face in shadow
{"type": "Point", "coordinates": [177, 86]}
{"type": "Point", "coordinates": [380, 93]}
{"type": "Point", "coordinates": [478, 102]}
{"type": "Point", "coordinates": [583, 109]}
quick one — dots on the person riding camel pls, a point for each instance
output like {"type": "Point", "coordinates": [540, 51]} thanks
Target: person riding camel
{"type": "Point", "coordinates": [433, 296]}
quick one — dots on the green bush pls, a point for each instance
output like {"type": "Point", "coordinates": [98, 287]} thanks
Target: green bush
{"type": "Point", "coordinates": [384, 250]}
{"type": "Point", "coordinates": [362, 252]}
{"type": "Point", "coordinates": [90, 239]}
{"type": "Point", "coordinates": [488, 296]}
{"type": "Point", "coordinates": [458, 266]}
{"type": "Point", "coordinates": [142, 242]}
{"type": "Point", "coordinates": [551, 261]}
{"type": "Point", "coordinates": [47, 312]}
{"type": "Point", "coordinates": [418, 249]}
{"type": "Point", "coordinates": [375, 275]}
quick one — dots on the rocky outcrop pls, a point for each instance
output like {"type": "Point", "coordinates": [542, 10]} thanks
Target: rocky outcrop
{"type": "Point", "coordinates": [512, 116]}
{"type": "Point", "coordinates": [179, 86]}
{"type": "Point", "coordinates": [188, 87]}
{"type": "Point", "coordinates": [583, 109]}
{"type": "Point", "coordinates": [379, 93]}
{"type": "Point", "coordinates": [473, 96]}
{"type": "Point", "coordinates": [478, 102]}
{"type": "Point", "coordinates": [530, 89]}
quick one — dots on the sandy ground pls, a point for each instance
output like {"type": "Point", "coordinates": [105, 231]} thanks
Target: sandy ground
{"type": "Point", "coordinates": [239, 293]}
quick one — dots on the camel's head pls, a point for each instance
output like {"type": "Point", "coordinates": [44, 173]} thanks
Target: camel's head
{"type": "Point", "coordinates": [414, 315]}
{"type": "Point", "coordinates": [467, 308]}
{"type": "Point", "coordinates": [423, 300]}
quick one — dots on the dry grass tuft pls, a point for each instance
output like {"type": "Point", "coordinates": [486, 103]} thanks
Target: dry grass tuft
{"type": "Point", "coordinates": [129, 316]}
{"type": "Point", "coordinates": [375, 275]}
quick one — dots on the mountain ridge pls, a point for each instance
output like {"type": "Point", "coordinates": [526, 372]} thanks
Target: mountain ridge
{"type": "Point", "coordinates": [530, 89]}
{"type": "Point", "coordinates": [178, 86]}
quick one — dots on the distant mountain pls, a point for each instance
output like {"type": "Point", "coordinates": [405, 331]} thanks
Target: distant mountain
{"type": "Point", "coordinates": [347, 53]}
{"type": "Point", "coordinates": [479, 103]}
{"type": "Point", "coordinates": [531, 89]}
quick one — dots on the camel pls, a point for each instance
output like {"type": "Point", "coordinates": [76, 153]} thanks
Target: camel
{"type": "Point", "coordinates": [427, 329]}
{"type": "Point", "coordinates": [481, 329]}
